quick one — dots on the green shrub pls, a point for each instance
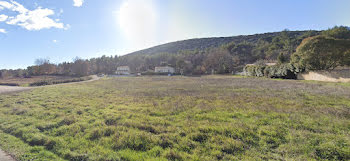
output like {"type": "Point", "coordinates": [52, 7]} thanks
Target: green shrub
{"type": "Point", "coordinates": [254, 70]}
{"type": "Point", "coordinates": [285, 71]}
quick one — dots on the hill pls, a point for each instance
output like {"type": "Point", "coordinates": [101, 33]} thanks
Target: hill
{"type": "Point", "coordinates": [221, 54]}
{"type": "Point", "coordinates": [213, 42]}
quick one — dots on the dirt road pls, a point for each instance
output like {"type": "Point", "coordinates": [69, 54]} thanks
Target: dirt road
{"type": "Point", "coordinates": [8, 89]}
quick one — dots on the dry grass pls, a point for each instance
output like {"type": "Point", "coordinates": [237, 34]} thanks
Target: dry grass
{"type": "Point", "coordinates": [33, 79]}
{"type": "Point", "coordinates": [179, 118]}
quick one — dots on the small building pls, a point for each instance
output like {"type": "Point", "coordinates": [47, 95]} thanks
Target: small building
{"type": "Point", "coordinates": [165, 69]}
{"type": "Point", "coordinates": [271, 64]}
{"type": "Point", "coordinates": [123, 70]}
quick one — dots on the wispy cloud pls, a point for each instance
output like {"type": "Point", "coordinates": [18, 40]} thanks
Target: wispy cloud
{"type": "Point", "coordinates": [3, 31]}
{"type": "Point", "coordinates": [78, 3]}
{"type": "Point", "coordinates": [36, 19]}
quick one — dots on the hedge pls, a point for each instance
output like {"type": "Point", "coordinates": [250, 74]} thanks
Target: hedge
{"type": "Point", "coordinates": [285, 71]}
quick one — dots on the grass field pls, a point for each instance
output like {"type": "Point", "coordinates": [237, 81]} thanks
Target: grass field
{"type": "Point", "coordinates": [179, 118]}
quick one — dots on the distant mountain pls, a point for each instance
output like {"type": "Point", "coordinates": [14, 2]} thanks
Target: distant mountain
{"type": "Point", "coordinates": [205, 43]}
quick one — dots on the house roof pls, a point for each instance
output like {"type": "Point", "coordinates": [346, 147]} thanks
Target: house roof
{"type": "Point", "coordinates": [167, 67]}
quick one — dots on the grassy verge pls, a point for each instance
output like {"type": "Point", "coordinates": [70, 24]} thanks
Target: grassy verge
{"type": "Point", "coordinates": [179, 118]}
{"type": "Point", "coordinates": [22, 151]}
{"type": "Point", "coordinates": [52, 82]}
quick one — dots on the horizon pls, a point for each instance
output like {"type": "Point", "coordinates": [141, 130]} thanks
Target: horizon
{"type": "Point", "coordinates": [63, 30]}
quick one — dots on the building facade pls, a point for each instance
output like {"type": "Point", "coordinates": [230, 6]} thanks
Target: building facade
{"type": "Point", "coordinates": [166, 69]}
{"type": "Point", "coordinates": [123, 70]}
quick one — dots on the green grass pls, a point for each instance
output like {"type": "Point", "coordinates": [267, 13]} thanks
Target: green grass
{"type": "Point", "coordinates": [178, 118]}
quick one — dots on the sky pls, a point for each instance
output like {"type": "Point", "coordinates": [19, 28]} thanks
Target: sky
{"type": "Point", "coordinates": [61, 30]}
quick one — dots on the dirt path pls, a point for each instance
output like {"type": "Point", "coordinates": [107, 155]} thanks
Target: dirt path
{"type": "Point", "coordinates": [5, 157]}
{"type": "Point", "coordinates": [8, 89]}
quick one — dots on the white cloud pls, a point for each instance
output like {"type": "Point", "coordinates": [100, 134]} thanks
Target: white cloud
{"type": "Point", "coordinates": [3, 31]}
{"type": "Point", "coordinates": [13, 6]}
{"type": "Point", "coordinates": [3, 17]}
{"type": "Point", "coordinates": [78, 3]}
{"type": "Point", "coordinates": [36, 19]}
{"type": "Point", "coordinates": [4, 4]}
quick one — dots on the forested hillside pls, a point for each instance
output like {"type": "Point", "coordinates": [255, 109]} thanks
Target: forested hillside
{"type": "Point", "coordinates": [223, 55]}
{"type": "Point", "coordinates": [205, 43]}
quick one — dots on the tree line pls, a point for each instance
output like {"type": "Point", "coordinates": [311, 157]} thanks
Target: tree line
{"type": "Point", "coordinates": [286, 46]}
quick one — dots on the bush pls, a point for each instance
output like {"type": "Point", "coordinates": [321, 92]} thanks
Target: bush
{"type": "Point", "coordinates": [254, 70]}
{"type": "Point", "coordinates": [285, 71]}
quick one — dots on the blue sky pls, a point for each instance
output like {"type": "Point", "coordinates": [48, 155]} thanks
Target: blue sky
{"type": "Point", "coordinates": [63, 29]}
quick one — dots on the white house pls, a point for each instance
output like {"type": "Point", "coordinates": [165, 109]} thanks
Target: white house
{"type": "Point", "coordinates": [166, 69]}
{"type": "Point", "coordinates": [123, 70]}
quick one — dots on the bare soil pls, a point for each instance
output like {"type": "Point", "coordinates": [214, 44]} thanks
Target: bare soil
{"type": "Point", "coordinates": [5, 157]}
{"type": "Point", "coordinates": [8, 89]}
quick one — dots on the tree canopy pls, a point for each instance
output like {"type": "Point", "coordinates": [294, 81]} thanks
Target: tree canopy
{"type": "Point", "coordinates": [322, 53]}
{"type": "Point", "coordinates": [337, 32]}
